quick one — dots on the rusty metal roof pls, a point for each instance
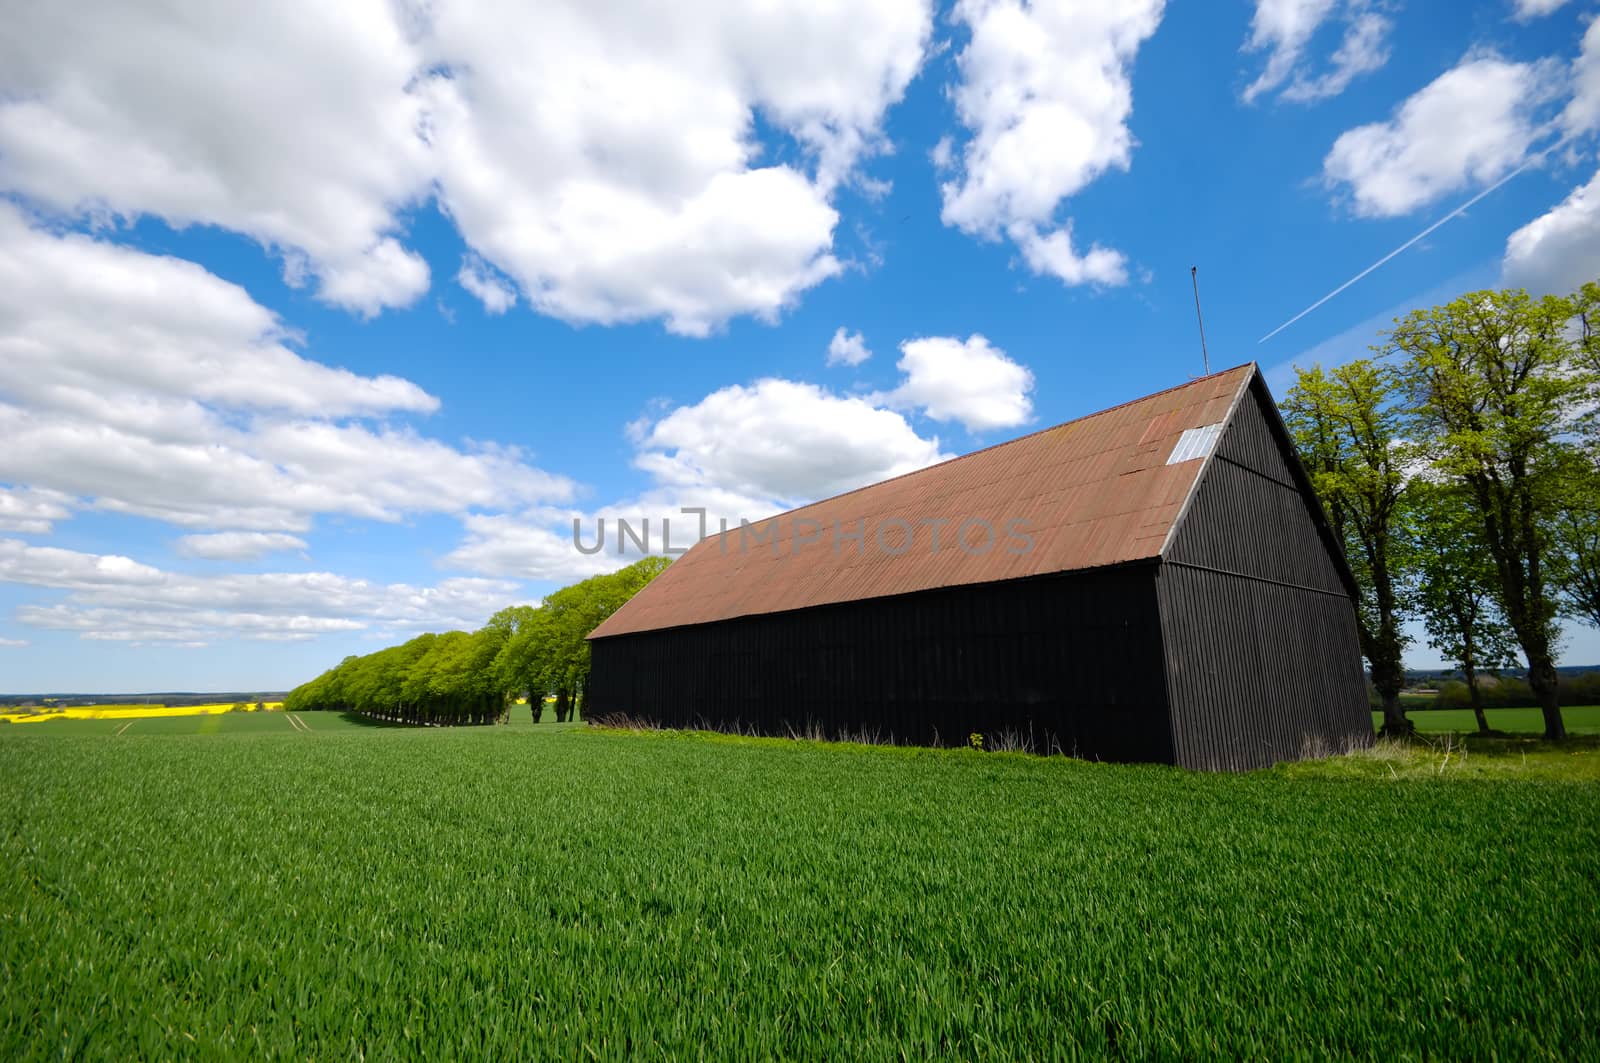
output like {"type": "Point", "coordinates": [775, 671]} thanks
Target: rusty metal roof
{"type": "Point", "coordinates": [1101, 490]}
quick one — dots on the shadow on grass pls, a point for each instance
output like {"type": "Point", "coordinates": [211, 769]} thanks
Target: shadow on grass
{"type": "Point", "coordinates": [1501, 744]}
{"type": "Point", "coordinates": [359, 720]}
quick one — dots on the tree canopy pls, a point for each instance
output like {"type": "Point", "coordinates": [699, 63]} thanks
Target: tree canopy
{"type": "Point", "coordinates": [471, 677]}
{"type": "Point", "coordinates": [1497, 386]}
{"type": "Point", "coordinates": [1459, 469]}
{"type": "Point", "coordinates": [1347, 426]}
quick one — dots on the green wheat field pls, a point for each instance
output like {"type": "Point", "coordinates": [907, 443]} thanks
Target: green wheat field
{"type": "Point", "coordinates": [355, 891]}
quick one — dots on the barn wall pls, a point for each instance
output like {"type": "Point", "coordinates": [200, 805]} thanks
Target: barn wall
{"type": "Point", "coordinates": [1074, 660]}
{"type": "Point", "coordinates": [1259, 632]}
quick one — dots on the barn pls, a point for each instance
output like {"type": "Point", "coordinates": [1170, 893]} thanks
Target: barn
{"type": "Point", "coordinates": [1154, 582]}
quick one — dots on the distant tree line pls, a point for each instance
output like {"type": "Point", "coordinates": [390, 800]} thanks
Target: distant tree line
{"type": "Point", "coordinates": [461, 677]}
{"type": "Point", "coordinates": [1511, 692]}
{"type": "Point", "coordinates": [1460, 470]}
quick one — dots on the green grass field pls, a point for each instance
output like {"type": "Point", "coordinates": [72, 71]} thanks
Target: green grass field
{"type": "Point", "coordinates": [521, 892]}
{"type": "Point", "coordinates": [1580, 720]}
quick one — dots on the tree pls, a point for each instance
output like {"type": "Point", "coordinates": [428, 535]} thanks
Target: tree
{"type": "Point", "coordinates": [522, 661]}
{"type": "Point", "coordinates": [516, 652]}
{"type": "Point", "coordinates": [1346, 425]}
{"type": "Point", "coordinates": [1575, 539]}
{"type": "Point", "coordinates": [572, 612]}
{"type": "Point", "coordinates": [1496, 386]}
{"type": "Point", "coordinates": [1586, 309]}
{"type": "Point", "coordinates": [461, 677]}
{"type": "Point", "coordinates": [1456, 591]}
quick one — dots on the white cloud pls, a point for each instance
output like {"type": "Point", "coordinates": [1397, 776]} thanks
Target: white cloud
{"type": "Point", "coordinates": [742, 452]}
{"type": "Point", "coordinates": [1472, 124]}
{"type": "Point", "coordinates": [1582, 114]}
{"type": "Point", "coordinates": [1528, 10]}
{"type": "Point", "coordinates": [847, 348]}
{"type": "Point", "coordinates": [969, 380]}
{"type": "Point", "coordinates": [605, 157]}
{"type": "Point", "coordinates": [561, 545]}
{"type": "Point", "coordinates": [237, 546]}
{"type": "Point", "coordinates": [273, 476]}
{"type": "Point", "coordinates": [13, 643]}
{"type": "Point", "coordinates": [751, 451]}
{"type": "Point", "coordinates": [298, 124]}
{"type": "Point", "coordinates": [1046, 96]}
{"type": "Point", "coordinates": [533, 546]}
{"type": "Point", "coordinates": [1284, 29]}
{"type": "Point", "coordinates": [112, 598]}
{"type": "Point", "coordinates": [780, 440]}
{"type": "Point", "coordinates": [1052, 253]}
{"type": "Point", "coordinates": [144, 384]}
{"type": "Point", "coordinates": [1561, 249]}
{"type": "Point", "coordinates": [49, 566]}
{"type": "Point", "coordinates": [81, 319]}
{"type": "Point", "coordinates": [31, 512]}
{"type": "Point", "coordinates": [1363, 50]}
{"type": "Point", "coordinates": [482, 280]}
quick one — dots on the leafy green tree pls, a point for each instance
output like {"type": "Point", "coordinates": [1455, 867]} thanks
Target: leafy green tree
{"type": "Point", "coordinates": [1346, 425]}
{"type": "Point", "coordinates": [573, 612]}
{"type": "Point", "coordinates": [1496, 384]}
{"type": "Point", "coordinates": [461, 677]}
{"type": "Point", "coordinates": [1586, 310]}
{"type": "Point", "coordinates": [1456, 590]}
{"type": "Point", "coordinates": [518, 662]}
{"type": "Point", "coordinates": [1575, 538]}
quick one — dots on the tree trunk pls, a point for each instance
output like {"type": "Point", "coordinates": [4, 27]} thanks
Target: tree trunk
{"type": "Point", "coordinates": [1543, 679]}
{"type": "Point", "coordinates": [1475, 696]}
{"type": "Point", "coordinates": [1383, 648]}
{"type": "Point", "coordinates": [1389, 677]}
{"type": "Point", "coordinates": [1395, 724]}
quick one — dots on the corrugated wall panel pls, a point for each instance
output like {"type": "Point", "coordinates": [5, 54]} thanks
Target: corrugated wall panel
{"type": "Point", "coordinates": [1075, 661]}
{"type": "Point", "coordinates": [1243, 522]}
{"type": "Point", "coordinates": [1258, 673]}
{"type": "Point", "coordinates": [1259, 634]}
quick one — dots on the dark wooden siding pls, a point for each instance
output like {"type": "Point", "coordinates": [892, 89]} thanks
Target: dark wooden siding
{"type": "Point", "coordinates": [1259, 672]}
{"type": "Point", "coordinates": [1073, 661]}
{"type": "Point", "coordinates": [1262, 659]}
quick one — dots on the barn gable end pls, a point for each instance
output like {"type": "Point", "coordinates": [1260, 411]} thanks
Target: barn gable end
{"type": "Point", "coordinates": [1258, 618]}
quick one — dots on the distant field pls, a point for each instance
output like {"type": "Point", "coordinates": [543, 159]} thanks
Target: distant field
{"type": "Point", "coordinates": [227, 724]}
{"type": "Point", "coordinates": [273, 722]}
{"type": "Point", "coordinates": [1580, 720]}
{"type": "Point", "coordinates": [131, 712]}
{"type": "Point", "coordinates": [538, 892]}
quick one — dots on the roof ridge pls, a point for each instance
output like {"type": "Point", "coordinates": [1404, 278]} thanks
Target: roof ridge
{"type": "Point", "coordinates": [1002, 443]}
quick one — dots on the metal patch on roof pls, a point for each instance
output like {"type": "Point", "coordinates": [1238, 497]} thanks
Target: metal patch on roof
{"type": "Point", "coordinates": [1195, 443]}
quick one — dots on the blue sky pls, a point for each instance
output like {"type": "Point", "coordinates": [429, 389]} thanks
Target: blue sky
{"type": "Point", "coordinates": [319, 329]}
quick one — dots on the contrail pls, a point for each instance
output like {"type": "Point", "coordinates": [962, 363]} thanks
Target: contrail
{"type": "Point", "coordinates": [1453, 214]}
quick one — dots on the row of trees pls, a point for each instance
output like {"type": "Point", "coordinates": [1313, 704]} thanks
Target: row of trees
{"type": "Point", "coordinates": [1460, 468]}
{"type": "Point", "coordinates": [1511, 692]}
{"type": "Point", "coordinates": [473, 677]}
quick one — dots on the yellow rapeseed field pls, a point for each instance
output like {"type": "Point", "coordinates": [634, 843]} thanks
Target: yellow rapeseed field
{"type": "Point", "coordinates": [130, 712]}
